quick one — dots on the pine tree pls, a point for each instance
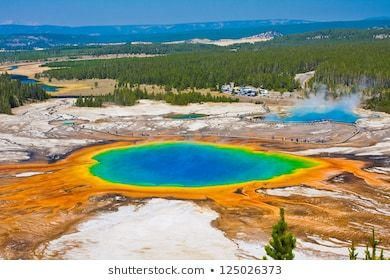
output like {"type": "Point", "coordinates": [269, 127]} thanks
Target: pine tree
{"type": "Point", "coordinates": [283, 242]}
{"type": "Point", "coordinates": [352, 252]}
{"type": "Point", "coordinates": [373, 243]}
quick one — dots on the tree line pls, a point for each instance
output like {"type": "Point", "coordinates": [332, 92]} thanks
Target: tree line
{"type": "Point", "coordinates": [126, 96]}
{"type": "Point", "coordinates": [76, 52]}
{"type": "Point", "coordinates": [328, 36]}
{"type": "Point", "coordinates": [13, 93]}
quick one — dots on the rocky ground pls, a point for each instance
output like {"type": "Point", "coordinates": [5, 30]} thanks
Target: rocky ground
{"type": "Point", "coordinates": [52, 129]}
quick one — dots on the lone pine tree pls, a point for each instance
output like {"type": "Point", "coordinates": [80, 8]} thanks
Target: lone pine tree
{"type": "Point", "coordinates": [283, 242]}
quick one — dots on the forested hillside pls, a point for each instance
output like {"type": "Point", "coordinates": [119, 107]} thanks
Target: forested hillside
{"type": "Point", "coordinates": [319, 37]}
{"type": "Point", "coordinates": [14, 94]}
{"type": "Point", "coordinates": [365, 66]}
{"type": "Point", "coordinates": [128, 97]}
{"type": "Point", "coordinates": [347, 64]}
{"type": "Point", "coordinates": [200, 70]}
{"type": "Point", "coordinates": [75, 52]}
{"type": "Point", "coordinates": [330, 36]}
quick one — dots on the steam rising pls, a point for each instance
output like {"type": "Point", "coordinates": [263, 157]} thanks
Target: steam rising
{"type": "Point", "coordinates": [322, 107]}
{"type": "Point", "coordinates": [323, 102]}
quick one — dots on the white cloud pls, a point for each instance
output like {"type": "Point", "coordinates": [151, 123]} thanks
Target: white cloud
{"type": "Point", "coordinates": [11, 21]}
{"type": "Point", "coordinates": [8, 21]}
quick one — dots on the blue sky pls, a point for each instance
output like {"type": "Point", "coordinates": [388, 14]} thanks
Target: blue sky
{"type": "Point", "coordinates": [114, 12]}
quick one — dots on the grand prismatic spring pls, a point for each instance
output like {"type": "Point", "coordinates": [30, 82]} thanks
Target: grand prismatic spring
{"type": "Point", "coordinates": [189, 164]}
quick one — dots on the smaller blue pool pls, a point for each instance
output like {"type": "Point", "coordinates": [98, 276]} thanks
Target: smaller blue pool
{"type": "Point", "coordinates": [49, 88]}
{"type": "Point", "coordinates": [26, 80]}
{"type": "Point", "coordinates": [335, 114]}
{"type": "Point", "coordinates": [23, 79]}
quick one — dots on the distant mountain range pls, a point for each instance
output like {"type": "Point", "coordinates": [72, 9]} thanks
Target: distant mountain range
{"type": "Point", "coordinates": [14, 37]}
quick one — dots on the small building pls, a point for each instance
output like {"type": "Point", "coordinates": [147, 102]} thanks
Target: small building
{"type": "Point", "coordinates": [248, 91]}
{"type": "Point", "coordinates": [226, 89]}
{"type": "Point", "coordinates": [263, 92]}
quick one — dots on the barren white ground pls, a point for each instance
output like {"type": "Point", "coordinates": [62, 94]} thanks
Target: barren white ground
{"type": "Point", "coordinates": [169, 229]}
